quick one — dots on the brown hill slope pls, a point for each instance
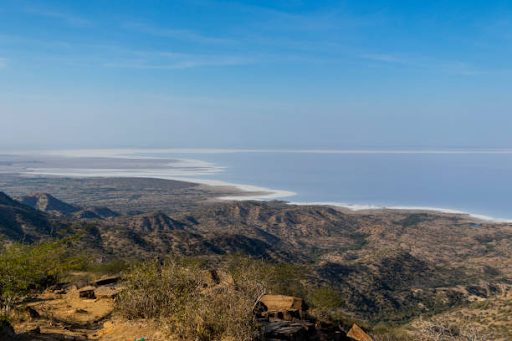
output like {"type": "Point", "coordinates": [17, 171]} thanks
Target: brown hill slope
{"type": "Point", "coordinates": [45, 202]}
{"type": "Point", "coordinates": [389, 265]}
{"type": "Point", "coordinates": [20, 222]}
{"type": "Point", "coordinates": [156, 233]}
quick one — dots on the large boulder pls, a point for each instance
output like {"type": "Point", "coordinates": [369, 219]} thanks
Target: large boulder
{"type": "Point", "coordinates": [283, 302]}
{"type": "Point", "coordinates": [281, 307]}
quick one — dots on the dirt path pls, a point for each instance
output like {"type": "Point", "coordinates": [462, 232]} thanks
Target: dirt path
{"type": "Point", "coordinates": [63, 315]}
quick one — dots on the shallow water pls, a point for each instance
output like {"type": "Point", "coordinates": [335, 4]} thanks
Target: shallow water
{"type": "Point", "coordinates": [478, 183]}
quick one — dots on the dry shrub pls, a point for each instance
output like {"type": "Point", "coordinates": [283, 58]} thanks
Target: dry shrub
{"type": "Point", "coordinates": [435, 330]}
{"type": "Point", "coordinates": [443, 330]}
{"type": "Point", "coordinates": [392, 336]}
{"type": "Point", "coordinates": [188, 302]}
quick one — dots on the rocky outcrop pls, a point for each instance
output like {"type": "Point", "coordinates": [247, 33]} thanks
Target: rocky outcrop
{"type": "Point", "coordinates": [281, 307]}
{"type": "Point", "coordinates": [48, 203]}
{"type": "Point", "coordinates": [282, 318]}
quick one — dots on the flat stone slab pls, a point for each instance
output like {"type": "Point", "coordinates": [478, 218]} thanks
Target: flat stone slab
{"type": "Point", "coordinates": [108, 292]}
{"type": "Point", "coordinates": [106, 280]}
{"type": "Point", "coordinates": [87, 292]}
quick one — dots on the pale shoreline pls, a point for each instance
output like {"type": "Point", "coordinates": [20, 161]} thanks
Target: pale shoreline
{"type": "Point", "coordinates": [356, 208]}
{"type": "Point", "coordinates": [264, 194]}
{"type": "Point", "coordinates": [182, 169]}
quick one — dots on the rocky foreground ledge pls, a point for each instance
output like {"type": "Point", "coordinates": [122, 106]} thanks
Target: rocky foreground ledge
{"type": "Point", "coordinates": [84, 310]}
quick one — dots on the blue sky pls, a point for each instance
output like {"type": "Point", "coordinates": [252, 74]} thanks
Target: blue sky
{"type": "Point", "coordinates": [255, 74]}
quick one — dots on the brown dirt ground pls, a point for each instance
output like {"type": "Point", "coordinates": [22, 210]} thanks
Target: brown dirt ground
{"type": "Point", "coordinates": [66, 316]}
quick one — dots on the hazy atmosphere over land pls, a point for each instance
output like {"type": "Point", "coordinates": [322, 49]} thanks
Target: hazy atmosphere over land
{"type": "Point", "coordinates": [255, 74]}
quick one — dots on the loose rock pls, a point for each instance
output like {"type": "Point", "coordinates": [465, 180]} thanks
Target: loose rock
{"type": "Point", "coordinates": [358, 334]}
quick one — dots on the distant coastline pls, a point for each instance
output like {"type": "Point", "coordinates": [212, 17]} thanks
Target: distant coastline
{"type": "Point", "coordinates": [183, 169]}
{"type": "Point", "coordinates": [353, 207]}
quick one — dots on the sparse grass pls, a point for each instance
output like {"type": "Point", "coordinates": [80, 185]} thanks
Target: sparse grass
{"type": "Point", "coordinates": [325, 296]}
{"type": "Point", "coordinates": [440, 329]}
{"type": "Point", "coordinates": [190, 302]}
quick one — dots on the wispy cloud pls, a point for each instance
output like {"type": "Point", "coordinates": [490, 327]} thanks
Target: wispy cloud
{"type": "Point", "coordinates": [324, 19]}
{"type": "Point", "coordinates": [386, 58]}
{"type": "Point", "coordinates": [455, 67]}
{"type": "Point", "coordinates": [118, 56]}
{"type": "Point", "coordinates": [461, 68]}
{"type": "Point", "coordinates": [181, 34]}
{"type": "Point", "coordinates": [3, 63]}
{"type": "Point", "coordinates": [179, 61]}
{"type": "Point", "coordinates": [68, 18]}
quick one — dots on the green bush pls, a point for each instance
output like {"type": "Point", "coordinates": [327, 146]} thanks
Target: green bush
{"type": "Point", "coordinates": [27, 267]}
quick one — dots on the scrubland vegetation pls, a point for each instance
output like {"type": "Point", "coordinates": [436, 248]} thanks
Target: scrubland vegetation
{"type": "Point", "coordinates": [194, 303]}
{"type": "Point", "coordinates": [198, 298]}
{"type": "Point", "coordinates": [190, 302]}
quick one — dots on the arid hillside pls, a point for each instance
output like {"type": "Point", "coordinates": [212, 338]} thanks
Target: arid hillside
{"type": "Point", "coordinates": [390, 266]}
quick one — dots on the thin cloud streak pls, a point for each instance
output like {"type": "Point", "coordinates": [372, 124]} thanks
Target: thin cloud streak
{"type": "Point", "coordinates": [328, 49]}
{"type": "Point", "coordinates": [66, 17]}
{"type": "Point", "coordinates": [322, 20]}
{"type": "Point", "coordinates": [181, 34]}
{"type": "Point", "coordinates": [456, 67]}
{"type": "Point", "coordinates": [3, 63]}
{"type": "Point", "coordinates": [387, 58]}
{"type": "Point", "coordinates": [181, 64]}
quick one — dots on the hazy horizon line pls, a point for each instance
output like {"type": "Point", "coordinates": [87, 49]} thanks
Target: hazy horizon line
{"type": "Point", "coordinates": [117, 152]}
